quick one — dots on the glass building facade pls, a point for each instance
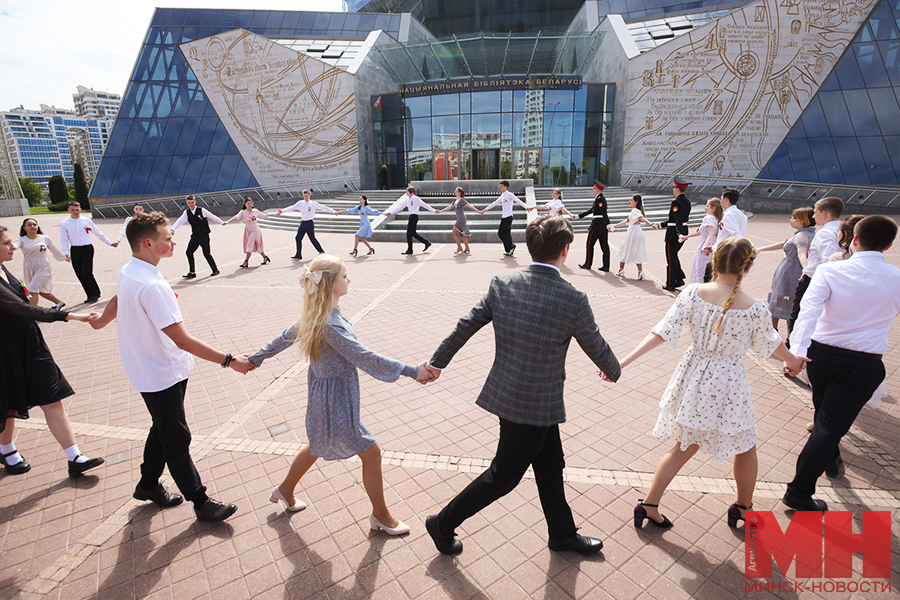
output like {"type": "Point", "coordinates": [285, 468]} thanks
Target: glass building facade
{"type": "Point", "coordinates": [850, 132]}
{"type": "Point", "coordinates": [556, 137]}
{"type": "Point", "coordinates": [168, 139]}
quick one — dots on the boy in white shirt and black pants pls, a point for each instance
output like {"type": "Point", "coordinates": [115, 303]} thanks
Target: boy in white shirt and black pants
{"type": "Point", "coordinates": [75, 239]}
{"type": "Point", "coordinates": [156, 351]}
{"type": "Point", "coordinates": [504, 231]}
{"type": "Point", "coordinates": [842, 329]}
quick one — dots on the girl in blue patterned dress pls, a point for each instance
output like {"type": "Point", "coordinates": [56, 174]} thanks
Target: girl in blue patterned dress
{"type": "Point", "coordinates": [365, 227]}
{"type": "Point", "coordinates": [333, 425]}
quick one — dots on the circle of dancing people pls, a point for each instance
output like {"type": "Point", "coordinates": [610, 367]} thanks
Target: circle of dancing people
{"type": "Point", "coordinates": [841, 312]}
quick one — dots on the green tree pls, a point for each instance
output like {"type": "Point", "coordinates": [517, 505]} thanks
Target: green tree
{"type": "Point", "coordinates": [58, 191]}
{"type": "Point", "coordinates": [81, 186]}
{"type": "Point", "coordinates": [33, 192]}
{"type": "Point", "coordinates": [505, 169]}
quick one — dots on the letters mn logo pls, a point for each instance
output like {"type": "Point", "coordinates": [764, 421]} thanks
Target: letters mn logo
{"type": "Point", "coordinates": [814, 542]}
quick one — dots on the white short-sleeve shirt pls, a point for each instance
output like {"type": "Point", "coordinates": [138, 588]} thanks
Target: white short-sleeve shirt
{"type": "Point", "coordinates": [147, 305]}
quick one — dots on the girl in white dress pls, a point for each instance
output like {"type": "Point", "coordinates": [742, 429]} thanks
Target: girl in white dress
{"type": "Point", "coordinates": [555, 206]}
{"type": "Point", "coordinates": [38, 275]}
{"type": "Point", "coordinates": [707, 231]}
{"type": "Point", "coordinates": [634, 246]}
{"type": "Point", "coordinates": [707, 404]}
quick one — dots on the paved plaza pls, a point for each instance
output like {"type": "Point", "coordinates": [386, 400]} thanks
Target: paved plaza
{"type": "Point", "coordinates": [71, 539]}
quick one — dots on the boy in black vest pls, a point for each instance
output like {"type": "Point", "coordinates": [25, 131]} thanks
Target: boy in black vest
{"type": "Point", "coordinates": [199, 219]}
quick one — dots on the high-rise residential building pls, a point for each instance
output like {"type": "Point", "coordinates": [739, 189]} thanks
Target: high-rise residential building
{"type": "Point", "coordinates": [48, 142]}
{"type": "Point", "coordinates": [97, 105]}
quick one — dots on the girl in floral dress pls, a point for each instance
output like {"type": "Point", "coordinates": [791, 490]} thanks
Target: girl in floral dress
{"type": "Point", "coordinates": [707, 231]}
{"type": "Point", "coordinates": [334, 429]}
{"type": "Point", "coordinates": [707, 404]}
{"type": "Point", "coordinates": [38, 275]}
{"type": "Point", "coordinates": [253, 241]}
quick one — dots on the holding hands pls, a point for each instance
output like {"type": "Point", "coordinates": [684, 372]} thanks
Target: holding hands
{"type": "Point", "coordinates": [427, 373]}
{"type": "Point", "coordinates": [610, 227]}
{"type": "Point", "coordinates": [241, 363]}
{"type": "Point", "coordinates": [794, 364]}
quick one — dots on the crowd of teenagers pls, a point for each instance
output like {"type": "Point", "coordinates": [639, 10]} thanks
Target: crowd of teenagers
{"type": "Point", "coordinates": [841, 312]}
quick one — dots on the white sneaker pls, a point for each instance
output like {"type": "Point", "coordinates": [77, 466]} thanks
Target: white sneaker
{"type": "Point", "coordinates": [621, 273]}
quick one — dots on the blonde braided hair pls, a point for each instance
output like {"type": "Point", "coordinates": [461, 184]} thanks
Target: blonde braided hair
{"type": "Point", "coordinates": [733, 257]}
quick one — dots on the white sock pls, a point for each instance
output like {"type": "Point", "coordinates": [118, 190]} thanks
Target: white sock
{"type": "Point", "coordinates": [74, 455]}
{"type": "Point", "coordinates": [12, 459]}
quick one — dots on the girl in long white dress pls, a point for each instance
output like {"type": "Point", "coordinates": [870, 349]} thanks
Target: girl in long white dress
{"type": "Point", "coordinates": [634, 246]}
{"type": "Point", "coordinates": [707, 231]}
{"type": "Point", "coordinates": [38, 274]}
{"type": "Point", "coordinates": [707, 404]}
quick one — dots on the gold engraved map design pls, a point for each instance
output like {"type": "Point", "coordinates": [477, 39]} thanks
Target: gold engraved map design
{"type": "Point", "coordinates": [291, 116]}
{"type": "Point", "coordinates": [719, 100]}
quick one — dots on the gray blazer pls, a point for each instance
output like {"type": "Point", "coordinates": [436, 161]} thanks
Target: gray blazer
{"type": "Point", "coordinates": [535, 314]}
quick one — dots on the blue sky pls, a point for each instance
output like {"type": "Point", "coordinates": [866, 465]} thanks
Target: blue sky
{"type": "Point", "coordinates": [49, 47]}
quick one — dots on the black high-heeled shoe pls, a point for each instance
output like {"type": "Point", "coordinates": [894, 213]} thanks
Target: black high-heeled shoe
{"type": "Point", "coordinates": [244, 265]}
{"type": "Point", "coordinates": [266, 260]}
{"type": "Point", "coordinates": [640, 513]}
{"type": "Point", "coordinates": [734, 514]}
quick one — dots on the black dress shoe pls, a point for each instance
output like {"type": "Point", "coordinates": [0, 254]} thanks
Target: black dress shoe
{"type": "Point", "coordinates": [213, 510]}
{"type": "Point", "coordinates": [297, 257]}
{"type": "Point", "coordinates": [20, 468]}
{"type": "Point", "coordinates": [512, 250]}
{"type": "Point", "coordinates": [77, 468]}
{"type": "Point", "coordinates": [835, 468]}
{"type": "Point", "coordinates": [407, 252]}
{"type": "Point", "coordinates": [579, 543]}
{"type": "Point", "coordinates": [427, 246]}
{"type": "Point", "coordinates": [585, 266]}
{"type": "Point", "coordinates": [92, 300]}
{"type": "Point", "coordinates": [670, 288]}
{"type": "Point", "coordinates": [796, 502]}
{"type": "Point", "coordinates": [214, 273]}
{"type": "Point", "coordinates": [191, 275]}
{"type": "Point", "coordinates": [604, 269]}
{"type": "Point", "coordinates": [158, 496]}
{"type": "Point", "coordinates": [445, 544]}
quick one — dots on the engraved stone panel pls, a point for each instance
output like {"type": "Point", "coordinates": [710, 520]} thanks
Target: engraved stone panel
{"type": "Point", "coordinates": [718, 101]}
{"type": "Point", "coordinates": [291, 116]}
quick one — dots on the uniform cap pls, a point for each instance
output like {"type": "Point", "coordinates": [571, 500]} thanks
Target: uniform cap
{"type": "Point", "coordinates": [680, 182]}
{"type": "Point", "coordinates": [599, 185]}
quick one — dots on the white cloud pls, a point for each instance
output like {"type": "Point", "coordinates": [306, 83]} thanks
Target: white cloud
{"type": "Point", "coordinates": [49, 47]}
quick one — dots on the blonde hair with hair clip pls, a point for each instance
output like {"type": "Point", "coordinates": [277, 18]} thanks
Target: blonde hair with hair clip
{"type": "Point", "coordinates": [733, 257]}
{"type": "Point", "coordinates": [317, 306]}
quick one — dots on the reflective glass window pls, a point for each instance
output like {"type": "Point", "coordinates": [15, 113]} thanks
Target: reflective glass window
{"type": "Point", "coordinates": [581, 99]}
{"type": "Point", "coordinates": [445, 132]}
{"type": "Point", "coordinates": [192, 173]}
{"type": "Point", "coordinates": [291, 19]}
{"type": "Point", "coordinates": [421, 133]}
{"type": "Point", "coordinates": [307, 21]}
{"type": "Point", "coordinates": [186, 139]}
{"type": "Point", "coordinates": [198, 103]}
{"type": "Point", "coordinates": [506, 101]}
{"type": "Point", "coordinates": [848, 74]}
{"type": "Point", "coordinates": [119, 186]}
{"type": "Point", "coordinates": [836, 114]}
{"type": "Point", "coordinates": [814, 119]}
{"type": "Point", "coordinates": [170, 136]}
{"type": "Point", "coordinates": [243, 178]}
{"type": "Point", "coordinates": [158, 173]}
{"type": "Point", "coordinates": [882, 23]}
{"type": "Point", "coordinates": [178, 18]}
{"type": "Point", "coordinates": [205, 32]}
{"type": "Point", "coordinates": [148, 103]}
{"type": "Point", "coordinates": [506, 130]}
{"type": "Point", "coordinates": [851, 160]}
{"type": "Point", "coordinates": [484, 102]}
{"type": "Point", "coordinates": [465, 131]}
{"type": "Point", "coordinates": [141, 174]}
{"type": "Point", "coordinates": [578, 122]}
{"type": "Point", "coordinates": [383, 22]}
{"type": "Point", "coordinates": [486, 129]}
{"type": "Point", "coordinates": [321, 22]}
{"type": "Point", "coordinates": [104, 176]}
{"type": "Point", "coordinates": [797, 131]}
{"type": "Point", "coordinates": [827, 165]}
{"type": "Point", "coordinates": [204, 135]}
{"type": "Point", "coordinates": [220, 139]}
{"type": "Point", "coordinates": [227, 171]}
{"type": "Point", "coordinates": [243, 18]}
{"type": "Point", "coordinates": [465, 103]}
{"type": "Point", "coordinates": [189, 34]}
{"type": "Point", "coordinates": [418, 107]}
{"type": "Point", "coordinates": [351, 25]}
{"type": "Point", "coordinates": [161, 17]}
{"type": "Point", "coordinates": [445, 104]}
{"type": "Point", "coordinates": [518, 127]}
{"type": "Point", "coordinates": [121, 129]}
{"type": "Point", "coordinates": [862, 115]}
{"type": "Point", "coordinates": [558, 131]}
{"type": "Point", "coordinates": [226, 19]}
{"type": "Point", "coordinates": [336, 24]}
{"type": "Point", "coordinates": [135, 137]}
{"type": "Point", "coordinates": [211, 18]}
{"type": "Point", "coordinates": [887, 111]}
{"type": "Point", "coordinates": [892, 143]}
{"type": "Point", "coordinates": [258, 21]}
{"type": "Point", "coordinates": [194, 17]}
{"type": "Point", "coordinates": [519, 100]}
{"type": "Point", "coordinates": [558, 101]}
{"type": "Point", "coordinates": [779, 166]}
{"type": "Point", "coordinates": [800, 156]}
{"type": "Point", "coordinates": [890, 54]}
{"type": "Point", "coordinates": [596, 99]}
{"type": "Point", "coordinates": [367, 22]}
{"type": "Point", "coordinates": [276, 18]}
{"type": "Point", "coordinates": [210, 173]}
{"type": "Point", "coordinates": [153, 137]}
{"type": "Point", "coordinates": [175, 175]}
{"type": "Point", "coordinates": [145, 63]}
{"type": "Point", "coordinates": [870, 65]}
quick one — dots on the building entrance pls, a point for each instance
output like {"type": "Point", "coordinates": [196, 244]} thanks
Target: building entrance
{"type": "Point", "coordinates": [446, 166]}
{"type": "Point", "coordinates": [486, 164]}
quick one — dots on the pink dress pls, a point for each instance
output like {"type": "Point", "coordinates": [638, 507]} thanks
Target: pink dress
{"type": "Point", "coordinates": [253, 241]}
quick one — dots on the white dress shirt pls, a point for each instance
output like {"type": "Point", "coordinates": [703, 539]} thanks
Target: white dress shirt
{"type": "Point", "coordinates": [554, 206]}
{"type": "Point", "coordinates": [506, 199]}
{"type": "Point", "coordinates": [146, 306]}
{"type": "Point", "coordinates": [77, 232]}
{"type": "Point", "coordinates": [734, 224]}
{"type": "Point", "coordinates": [184, 217]}
{"type": "Point", "coordinates": [849, 304]}
{"type": "Point", "coordinates": [413, 203]}
{"type": "Point", "coordinates": [825, 243]}
{"type": "Point", "coordinates": [307, 209]}
{"type": "Point", "coordinates": [124, 227]}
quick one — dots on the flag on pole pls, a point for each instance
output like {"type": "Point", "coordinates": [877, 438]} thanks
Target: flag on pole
{"type": "Point", "coordinates": [378, 107]}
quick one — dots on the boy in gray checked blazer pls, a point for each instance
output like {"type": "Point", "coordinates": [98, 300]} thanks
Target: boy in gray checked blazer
{"type": "Point", "coordinates": [535, 314]}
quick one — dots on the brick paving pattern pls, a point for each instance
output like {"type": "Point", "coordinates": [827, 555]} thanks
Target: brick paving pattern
{"type": "Point", "coordinates": [62, 538]}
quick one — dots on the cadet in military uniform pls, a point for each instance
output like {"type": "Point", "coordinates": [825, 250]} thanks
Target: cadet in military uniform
{"type": "Point", "coordinates": [598, 230]}
{"type": "Point", "coordinates": [675, 225]}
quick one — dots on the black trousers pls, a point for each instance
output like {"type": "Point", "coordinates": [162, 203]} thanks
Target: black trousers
{"type": "Point", "coordinates": [597, 233]}
{"type": "Point", "coordinates": [504, 232]}
{"type": "Point", "coordinates": [411, 232]}
{"type": "Point", "coordinates": [199, 242]}
{"type": "Point", "coordinates": [842, 382]}
{"type": "Point", "coordinates": [307, 228]}
{"type": "Point", "coordinates": [674, 274]}
{"type": "Point", "coordinates": [168, 443]}
{"type": "Point", "coordinates": [802, 284]}
{"type": "Point", "coordinates": [83, 263]}
{"type": "Point", "coordinates": [519, 447]}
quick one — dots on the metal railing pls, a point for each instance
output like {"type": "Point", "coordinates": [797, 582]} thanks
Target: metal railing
{"type": "Point", "coordinates": [770, 188]}
{"type": "Point", "coordinates": [226, 197]}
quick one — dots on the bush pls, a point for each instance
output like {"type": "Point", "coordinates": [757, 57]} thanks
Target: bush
{"type": "Point", "coordinates": [58, 191]}
{"type": "Point", "coordinates": [59, 206]}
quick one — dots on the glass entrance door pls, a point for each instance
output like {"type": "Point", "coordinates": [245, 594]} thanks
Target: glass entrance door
{"type": "Point", "coordinates": [527, 163]}
{"type": "Point", "coordinates": [487, 164]}
{"type": "Point", "coordinates": [446, 166]}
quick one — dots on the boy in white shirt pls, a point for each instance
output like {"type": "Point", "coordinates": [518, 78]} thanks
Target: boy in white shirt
{"type": "Point", "coordinates": [156, 351]}
{"type": "Point", "coordinates": [75, 239]}
{"type": "Point", "coordinates": [504, 232]}
{"type": "Point", "coordinates": [842, 329]}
